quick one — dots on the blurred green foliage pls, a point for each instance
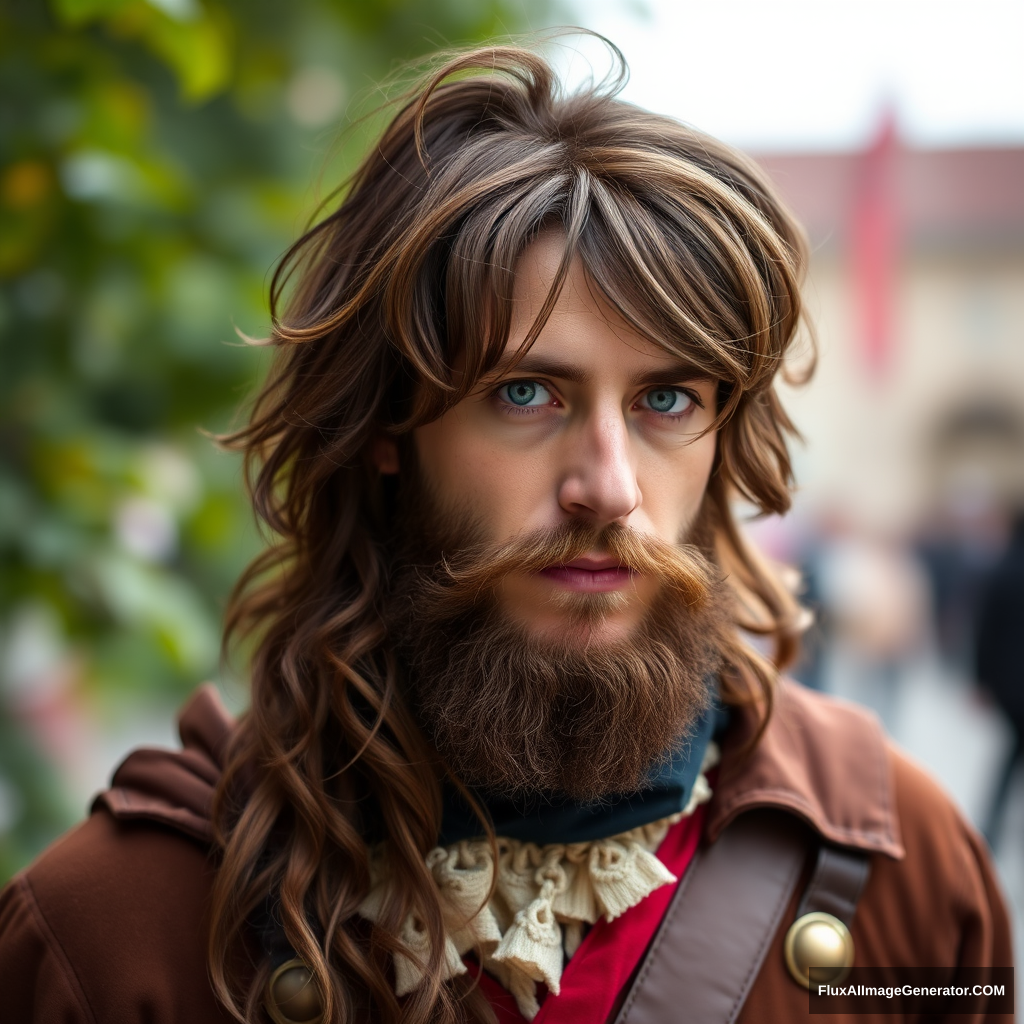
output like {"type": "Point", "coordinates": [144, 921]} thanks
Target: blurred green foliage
{"type": "Point", "coordinates": [155, 159]}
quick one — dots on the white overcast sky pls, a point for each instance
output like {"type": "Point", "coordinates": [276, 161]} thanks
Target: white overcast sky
{"type": "Point", "coordinates": [815, 74]}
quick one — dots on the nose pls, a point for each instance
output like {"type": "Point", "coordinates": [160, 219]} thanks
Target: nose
{"type": "Point", "coordinates": [600, 481]}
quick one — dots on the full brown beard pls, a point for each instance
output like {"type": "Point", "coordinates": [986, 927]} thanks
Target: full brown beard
{"type": "Point", "coordinates": [520, 713]}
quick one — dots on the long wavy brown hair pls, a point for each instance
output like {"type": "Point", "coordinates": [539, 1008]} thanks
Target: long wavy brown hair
{"type": "Point", "coordinates": [414, 269]}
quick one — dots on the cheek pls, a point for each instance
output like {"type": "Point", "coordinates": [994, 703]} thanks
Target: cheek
{"type": "Point", "coordinates": [468, 471]}
{"type": "Point", "coordinates": [673, 488]}
{"type": "Point", "coordinates": [442, 447]}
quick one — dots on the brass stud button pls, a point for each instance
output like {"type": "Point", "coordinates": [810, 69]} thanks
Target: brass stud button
{"type": "Point", "coordinates": [822, 942]}
{"type": "Point", "coordinates": [293, 996]}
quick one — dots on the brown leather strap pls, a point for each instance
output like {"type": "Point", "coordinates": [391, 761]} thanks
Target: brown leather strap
{"type": "Point", "coordinates": [836, 884]}
{"type": "Point", "coordinates": [720, 924]}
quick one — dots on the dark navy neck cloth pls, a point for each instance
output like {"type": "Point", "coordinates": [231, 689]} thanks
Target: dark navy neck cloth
{"type": "Point", "coordinates": [552, 818]}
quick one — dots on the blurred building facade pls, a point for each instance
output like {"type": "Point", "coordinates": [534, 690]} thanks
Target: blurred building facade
{"type": "Point", "coordinates": [915, 420]}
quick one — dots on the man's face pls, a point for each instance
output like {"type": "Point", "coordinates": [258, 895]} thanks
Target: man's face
{"type": "Point", "coordinates": [595, 423]}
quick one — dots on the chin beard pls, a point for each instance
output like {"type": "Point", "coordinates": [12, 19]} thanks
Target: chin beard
{"type": "Point", "coordinates": [518, 713]}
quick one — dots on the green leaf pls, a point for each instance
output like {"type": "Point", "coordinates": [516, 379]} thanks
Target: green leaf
{"type": "Point", "coordinates": [144, 595]}
{"type": "Point", "coordinates": [198, 51]}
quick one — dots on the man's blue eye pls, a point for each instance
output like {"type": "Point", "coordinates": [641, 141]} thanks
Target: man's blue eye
{"type": "Point", "coordinates": [524, 392]}
{"type": "Point", "coordinates": [668, 400]}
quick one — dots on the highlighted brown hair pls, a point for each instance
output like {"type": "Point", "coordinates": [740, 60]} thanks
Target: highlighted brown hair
{"type": "Point", "coordinates": [415, 267]}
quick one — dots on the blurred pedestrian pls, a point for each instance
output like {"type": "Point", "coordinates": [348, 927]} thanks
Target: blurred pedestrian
{"type": "Point", "coordinates": [999, 658]}
{"type": "Point", "coordinates": [875, 595]}
{"type": "Point", "coordinates": [959, 551]}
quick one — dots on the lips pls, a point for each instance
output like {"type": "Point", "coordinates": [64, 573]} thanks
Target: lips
{"type": "Point", "coordinates": [590, 575]}
{"type": "Point", "coordinates": [592, 564]}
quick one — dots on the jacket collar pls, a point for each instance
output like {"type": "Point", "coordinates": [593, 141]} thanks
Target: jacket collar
{"type": "Point", "coordinates": [176, 787]}
{"type": "Point", "coordinates": [822, 759]}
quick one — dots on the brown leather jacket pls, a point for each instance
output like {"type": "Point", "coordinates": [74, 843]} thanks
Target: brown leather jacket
{"type": "Point", "coordinates": [108, 926]}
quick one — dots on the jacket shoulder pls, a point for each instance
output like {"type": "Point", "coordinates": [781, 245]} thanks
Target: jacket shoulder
{"type": "Point", "coordinates": [823, 759]}
{"type": "Point", "coordinates": [111, 921]}
{"type": "Point", "coordinates": [938, 906]}
{"type": "Point", "coordinates": [116, 910]}
{"type": "Point", "coordinates": [931, 897]}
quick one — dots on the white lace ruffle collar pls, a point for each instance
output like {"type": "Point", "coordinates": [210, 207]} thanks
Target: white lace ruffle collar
{"type": "Point", "coordinates": [543, 897]}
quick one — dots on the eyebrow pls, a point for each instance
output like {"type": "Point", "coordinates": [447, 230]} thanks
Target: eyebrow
{"type": "Point", "coordinates": [678, 371]}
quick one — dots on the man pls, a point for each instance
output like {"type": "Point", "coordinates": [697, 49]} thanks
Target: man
{"type": "Point", "coordinates": [501, 702]}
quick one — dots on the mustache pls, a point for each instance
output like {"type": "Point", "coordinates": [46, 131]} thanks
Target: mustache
{"type": "Point", "coordinates": [682, 569]}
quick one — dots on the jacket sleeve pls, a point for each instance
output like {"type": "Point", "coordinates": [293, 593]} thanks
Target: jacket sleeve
{"type": "Point", "coordinates": [987, 936]}
{"type": "Point", "coordinates": [942, 906]}
{"type": "Point", "coordinates": [38, 983]}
